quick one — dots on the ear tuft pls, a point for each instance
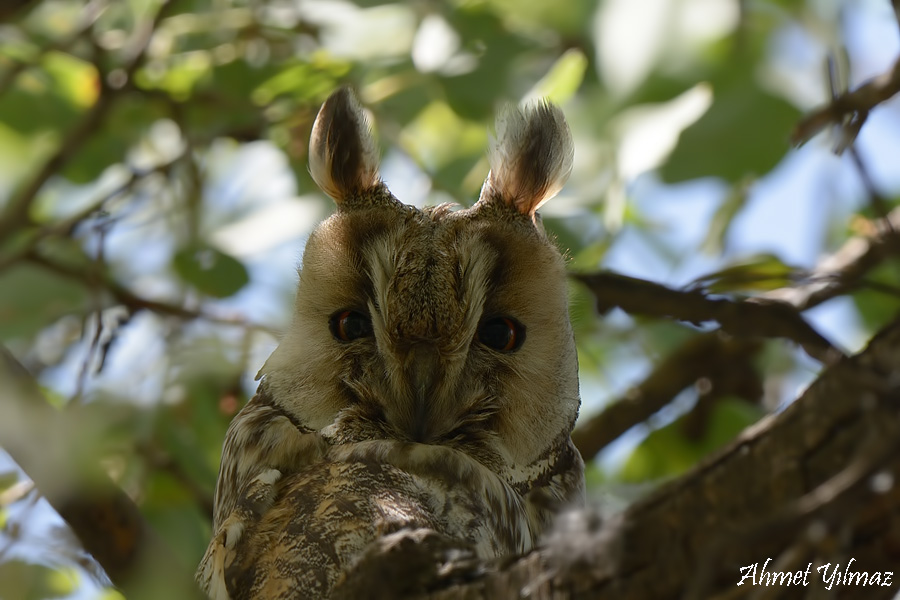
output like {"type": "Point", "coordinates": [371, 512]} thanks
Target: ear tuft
{"type": "Point", "coordinates": [531, 157]}
{"type": "Point", "coordinates": [343, 160]}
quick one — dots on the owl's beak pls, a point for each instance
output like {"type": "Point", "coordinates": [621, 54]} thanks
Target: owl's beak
{"type": "Point", "coordinates": [423, 372]}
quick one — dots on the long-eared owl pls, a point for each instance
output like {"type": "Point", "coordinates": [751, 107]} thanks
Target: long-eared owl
{"type": "Point", "coordinates": [428, 380]}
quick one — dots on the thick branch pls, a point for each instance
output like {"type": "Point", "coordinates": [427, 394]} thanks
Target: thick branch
{"type": "Point", "coordinates": [46, 444]}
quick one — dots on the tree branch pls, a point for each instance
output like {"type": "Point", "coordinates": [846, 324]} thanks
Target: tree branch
{"type": "Point", "coordinates": [47, 445]}
{"type": "Point", "coordinates": [752, 317]}
{"type": "Point", "coordinates": [134, 302]}
{"type": "Point", "coordinates": [31, 239]}
{"type": "Point", "coordinates": [845, 270]}
{"type": "Point", "coordinates": [850, 109]}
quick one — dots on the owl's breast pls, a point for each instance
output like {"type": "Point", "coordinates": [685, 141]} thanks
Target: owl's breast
{"type": "Point", "coordinates": [327, 514]}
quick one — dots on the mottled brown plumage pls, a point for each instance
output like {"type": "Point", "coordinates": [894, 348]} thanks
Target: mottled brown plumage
{"type": "Point", "coordinates": [428, 381]}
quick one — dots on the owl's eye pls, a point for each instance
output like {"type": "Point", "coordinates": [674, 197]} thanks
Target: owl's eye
{"type": "Point", "coordinates": [503, 334]}
{"type": "Point", "coordinates": [349, 325]}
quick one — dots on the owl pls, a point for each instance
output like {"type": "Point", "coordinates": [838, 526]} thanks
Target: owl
{"type": "Point", "coordinates": [427, 385]}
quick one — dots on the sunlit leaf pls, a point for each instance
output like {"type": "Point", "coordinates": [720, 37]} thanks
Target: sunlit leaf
{"type": "Point", "coordinates": [77, 81]}
{"type": "Point", "coordinates": [567, 17]}
{"type": "Point", "coordinates": [111, 594]}
{"type": "Point", "coordinates": [745, 132]}
{"type": "Point", "coordinates": [179, 76]}
{"type": "Point", "coordinates": [438, 136]}
{"type": "Point", "coordinates": [23, 581]}
{"type": "Point", "coordinates": [7, 480]}
{"type": "Point", "coordinates": [49, 96]}
{"type": "Point", "coordinates": [63, 581]}
{"type": "Point", "coordinates": [564, 77]}
{"type": "Point", "coordinates": [763, 272]}
{"type": "Point", "coordinates": [302, 80]}
{"type": "Point", "coordinates": [211, 271]}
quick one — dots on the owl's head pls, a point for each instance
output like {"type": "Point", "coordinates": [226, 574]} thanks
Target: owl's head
{"type": "Point", "coordinates": [437, 326]}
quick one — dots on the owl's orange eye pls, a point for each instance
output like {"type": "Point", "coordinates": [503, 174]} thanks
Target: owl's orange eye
{"type": "Point", "coordinates": [503, 334]}
{"type": "Point", "coordinates": [349, 325]}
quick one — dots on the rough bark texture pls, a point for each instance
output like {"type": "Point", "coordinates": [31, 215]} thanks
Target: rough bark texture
{"type": "Point", "coordinates": [815, 483]}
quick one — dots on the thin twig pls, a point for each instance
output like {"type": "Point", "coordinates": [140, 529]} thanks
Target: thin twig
{"type": "Point", "coordinates": [878, 202]}
{"type": "Point", "coordinates": [896, 5]}
{"type": "Point", "coordinates": [67, 225]}
{"type": "Point", "coordinates": [94, 346]}
{"type": "Point", "coordinates": [851, 107]}
{"type": "Point", "coordinates": [849, 133]}
{"type": "Point", "coordinates": [846, 269]}
{"type": "Point", "coordinates": [135, 303]}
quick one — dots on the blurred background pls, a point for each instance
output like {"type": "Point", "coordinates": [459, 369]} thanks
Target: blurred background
{"type": "Point", "coordinates": [155, 199]}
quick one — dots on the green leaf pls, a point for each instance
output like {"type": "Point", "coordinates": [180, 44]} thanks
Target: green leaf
{"type": "Point", "coordinates": [879, 300]}
{"type": "Point", "coordinates": [33, 298]}
{"type": "Point", "coordinates": [7, 480]}
{"type": "Point", "coordinates": [182, 75]}
{"type": "Point", "coordinates": [763, 272]}
{"type": "Point", "coordinates": [473, 95]}
{"type": "Point", "coordinates": [172, 510]}
{"type": "Point", "coordinates": [667, 452]}
{"type": "Point", "coordinates": [50, 96]}
{"type": "Point", "coordinates": [127, 121]}
{"type": "Point", "coordinates": [564, 77]}
{"type": "Point", "coordinates": [721, 221]}
{"type": "Point", "coordinates": [74, 80]}
{"type": "Point", "coordinates": [306, 81]}
{"type": "Point", "coordinates": [23, 581]}
{"type": "Point", "coordinates": [744, 132]}
{"type": "Point", "coordinates": [211, 271]}
{"type": "Point", "coordinates": [438, 137]}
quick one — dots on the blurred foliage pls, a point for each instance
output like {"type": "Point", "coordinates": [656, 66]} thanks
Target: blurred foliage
{"type": "Point", "coordinates": [667, 451]}
{"type": "Point", "coordinates": [154, 197]}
